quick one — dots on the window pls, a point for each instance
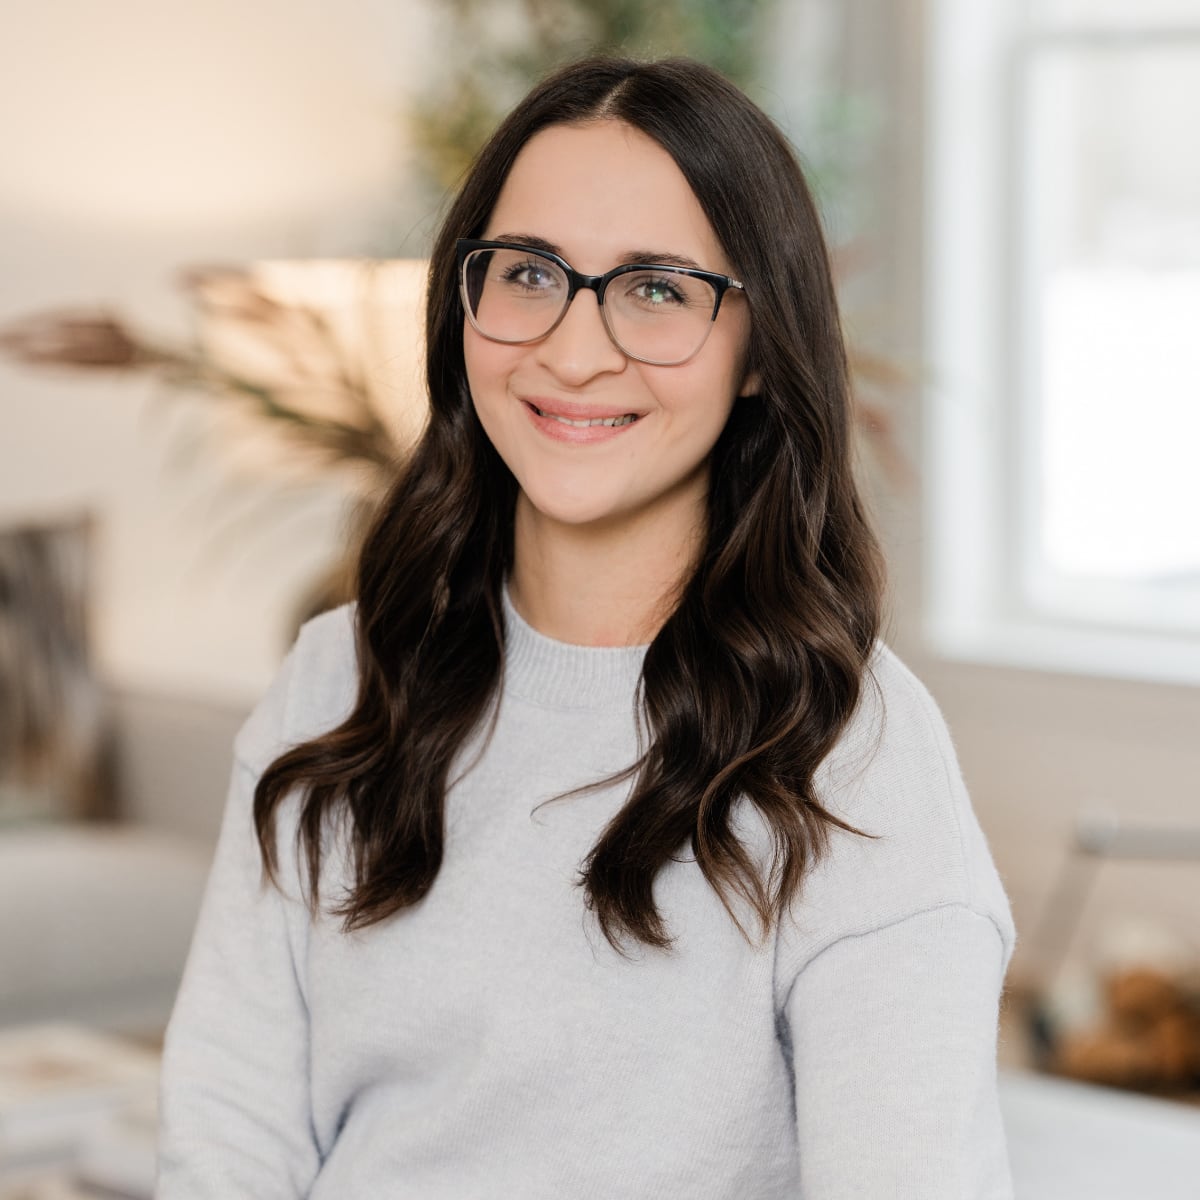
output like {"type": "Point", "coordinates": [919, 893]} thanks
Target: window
{"type": "Point", "coordinates": [1064, 353]}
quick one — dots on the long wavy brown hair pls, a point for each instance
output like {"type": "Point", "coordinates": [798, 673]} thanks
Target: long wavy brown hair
{"type": "Point", "coordinates": [758, 669]}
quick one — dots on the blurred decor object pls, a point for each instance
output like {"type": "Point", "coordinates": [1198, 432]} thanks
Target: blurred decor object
{"type": "Point", "coordinates": [69, 1098]}
{"type": "Point", "coordinates": [325, 354]}
{"type": "Point", "coordinates": [318, 367]}
{"type": "Point", "coordinates": [329, 351]}
{"type": "Point", "coordinates": [497, 57]}
{"type": "Point", "coordinates": [1147, 1037]}
{"type": "Point", "coordinates": [1133, 1018]}
{"type": "Point", "coordinates": [1099, 838]}
{"type": "Point", "coordinates": [55, 748]}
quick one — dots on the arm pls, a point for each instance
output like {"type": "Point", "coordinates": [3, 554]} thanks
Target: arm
{"type": "Point", "coordinates": [234, 1100]}
{"type": "Point", "coordinates": [894, 1051]}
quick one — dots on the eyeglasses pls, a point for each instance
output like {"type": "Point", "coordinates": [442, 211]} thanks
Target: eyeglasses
{"type": "Point", "coordinates": [656, 314]}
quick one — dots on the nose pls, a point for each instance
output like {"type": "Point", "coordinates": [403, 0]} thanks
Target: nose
{"type": "Point", "coordinates": [579, 347]}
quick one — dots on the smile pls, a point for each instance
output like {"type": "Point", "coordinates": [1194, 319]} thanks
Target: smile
{"type": "Point", "coordinates": [611, 422]}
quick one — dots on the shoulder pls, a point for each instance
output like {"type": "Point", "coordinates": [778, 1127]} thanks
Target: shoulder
{"type": "Point", "coordinates": [894, 765]}
{"type": "Point", "coordinates": [313, 691]}
{"type": "Point", "coordinates": [894, 776]}
{"type": "Point", "coordinates": [898, 732]}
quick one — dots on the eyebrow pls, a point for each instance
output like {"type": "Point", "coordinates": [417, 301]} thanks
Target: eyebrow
{"type": "Point", "coordinates": [664, 258]}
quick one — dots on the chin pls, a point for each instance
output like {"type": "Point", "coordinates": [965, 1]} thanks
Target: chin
{"type": "Point", "coordinates": [574, 510]}
{"type": "Point", "coordinates": [577, 516]}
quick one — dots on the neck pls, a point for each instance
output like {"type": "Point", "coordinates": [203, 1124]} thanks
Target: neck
{"type": "Point", "coordinates": [611, 586]}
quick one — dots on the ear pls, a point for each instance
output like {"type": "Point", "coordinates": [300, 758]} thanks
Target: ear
{"type": "Point", "coordinates": [751, 385]}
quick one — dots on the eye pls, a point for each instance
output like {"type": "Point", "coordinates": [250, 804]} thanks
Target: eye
{"type": "Point", "coordinates": [531, 274]}
{"type": "Point", "coordinates": [657, 291]}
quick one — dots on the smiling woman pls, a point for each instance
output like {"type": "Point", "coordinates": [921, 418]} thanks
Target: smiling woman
{"type": "Point", "coordinates": [608, 852]}
{"type": "Point", "coordinates": [595, 498]}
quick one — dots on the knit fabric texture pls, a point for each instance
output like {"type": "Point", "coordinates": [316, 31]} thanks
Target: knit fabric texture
{"type": "Point", "coordinates": [489, 1043]}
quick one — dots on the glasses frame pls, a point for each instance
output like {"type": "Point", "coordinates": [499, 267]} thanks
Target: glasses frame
{"type": "Point", "coordinates": [577, 282]}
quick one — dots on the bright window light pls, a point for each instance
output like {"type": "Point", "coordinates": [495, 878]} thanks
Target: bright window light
{"type": "Point", "coordinates": [1064, 496]}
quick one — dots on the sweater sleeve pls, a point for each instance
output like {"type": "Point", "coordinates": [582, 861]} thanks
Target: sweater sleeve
{"type": "Point", "coordinates": [234, 1097]}
{"type": "Point", "coordinates": [235, 1103]}
{"type": "Point", "coordinates": [893, 1036]}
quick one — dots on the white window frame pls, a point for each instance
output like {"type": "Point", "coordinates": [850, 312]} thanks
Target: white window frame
{"type": "Point", "coordinates": [979, 498]}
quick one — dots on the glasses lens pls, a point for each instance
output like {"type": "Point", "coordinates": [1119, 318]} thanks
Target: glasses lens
{"type": "Point", "coordinates": [513, 295]}
{"type": "Point", "coordinates": [662, 316]}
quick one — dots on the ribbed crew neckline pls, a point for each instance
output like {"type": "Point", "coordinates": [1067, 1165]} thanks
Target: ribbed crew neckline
{"type": "Point", "coordinates": [563, 675]}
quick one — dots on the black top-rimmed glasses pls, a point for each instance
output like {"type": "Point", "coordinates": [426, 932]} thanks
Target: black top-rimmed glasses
{"type": "Point", "coordinates": [656, 314]}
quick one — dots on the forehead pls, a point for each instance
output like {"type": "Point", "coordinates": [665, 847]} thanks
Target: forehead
{"type": "Point", "coordinates": [600, 191]}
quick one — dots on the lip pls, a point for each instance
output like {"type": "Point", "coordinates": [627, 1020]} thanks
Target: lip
{"type": "Point", "coordinates": [574, 411]}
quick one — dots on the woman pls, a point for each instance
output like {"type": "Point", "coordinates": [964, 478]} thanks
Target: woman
{"type": "Point", "coordinates": [609, 854]}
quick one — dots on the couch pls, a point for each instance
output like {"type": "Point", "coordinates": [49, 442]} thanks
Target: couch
{"type": "Point", "coordinates": [96, 916]}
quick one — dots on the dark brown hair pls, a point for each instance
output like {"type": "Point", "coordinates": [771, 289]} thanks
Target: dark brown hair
{"type": "Point", "coordinates": [757, 671]}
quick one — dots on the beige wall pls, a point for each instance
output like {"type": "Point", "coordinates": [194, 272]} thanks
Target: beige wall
{"type": "Point", "coordinates": [140, 137]}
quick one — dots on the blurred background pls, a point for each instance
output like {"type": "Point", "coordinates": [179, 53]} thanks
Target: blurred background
{"type": "Point", "coordinates": [213, 221]}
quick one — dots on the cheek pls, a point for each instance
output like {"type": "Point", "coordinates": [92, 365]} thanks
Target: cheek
{"type": "Point", "coordinates": [697, 409]}
{"type": "Point", "coordinates": [488, 366]}
{"type": "Point", "coordinates": [708, 391]}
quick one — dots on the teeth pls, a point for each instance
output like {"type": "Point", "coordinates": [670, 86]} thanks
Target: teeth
{"type": "Point", "coordinates": [627, 419]}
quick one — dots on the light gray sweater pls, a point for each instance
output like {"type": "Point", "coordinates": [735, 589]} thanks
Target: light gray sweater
{"type": "Point", "coordinates": [488, 1043]}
